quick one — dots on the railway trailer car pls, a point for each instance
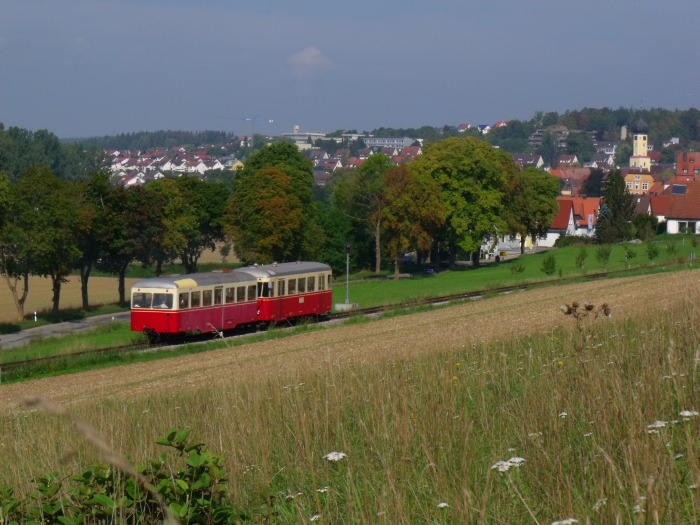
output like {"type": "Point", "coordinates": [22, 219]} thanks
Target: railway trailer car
{"type": "Point", "coordinates": [204, 302]}
{"type": "Point", "coordinates": [291, 290]}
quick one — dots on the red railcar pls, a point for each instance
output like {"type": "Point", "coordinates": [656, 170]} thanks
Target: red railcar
{"type": "Point", "coordinates": [215, 301]}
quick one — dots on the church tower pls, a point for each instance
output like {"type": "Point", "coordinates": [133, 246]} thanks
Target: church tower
{"type": "Point", "coordinates": [640, 159]}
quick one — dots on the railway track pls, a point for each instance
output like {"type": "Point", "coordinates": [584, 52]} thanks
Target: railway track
{"type": "Point", "coordinates": [18, 369]}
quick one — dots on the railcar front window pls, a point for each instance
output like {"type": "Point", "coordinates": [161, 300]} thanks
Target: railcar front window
{"type": "Point", "coordinates": [141, 300]}
{"type": "Point", "coordinates": [163, 300]}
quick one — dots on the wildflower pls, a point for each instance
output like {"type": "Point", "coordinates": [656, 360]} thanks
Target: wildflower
{"type": "Point", "coordinates": [678, 456]}
{"type": "Point", "coordinates": [655, 426]}
{"type": "Point", "coordinates": [505, 466]}
{"type": "Point", "coordinates": [600, 503]}
{"type": "Point", "coordinates": [442, 505]}
{"type": "Point", "coordinates": [563, 415]}
{"type": "Point", "coordinates": [323, 490]}
{"type": "Point", "coordinates": [335, 456]}
{"type": "Point", "coordinates": [567, 521]}
{"type": "Point", "coordinates": [315, 517]}
{"type": "Point", "coordinates": [687, 414]}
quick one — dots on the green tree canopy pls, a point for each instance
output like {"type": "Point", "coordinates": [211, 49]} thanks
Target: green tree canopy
{"type": "Point", "coordinates": [286, 159]}
{"type": "Point", "coordinates": [531, 204]}
{"type": "Point", "coordinates": [264, 218]}
{"type": "Point", "coordinates": [413, 212]}
{"type": "Point", "coordinates": [361, 197]}
{"type": "Point", "coordinates": [472, 176]}
{"type": "Point", "coordinates": [50, 214]}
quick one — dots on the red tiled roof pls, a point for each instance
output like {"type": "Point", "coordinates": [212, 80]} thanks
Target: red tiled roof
{"type": "Point", "coordinates": [561, 219]}
{"type": "Point", "coordinates": [683, 203]}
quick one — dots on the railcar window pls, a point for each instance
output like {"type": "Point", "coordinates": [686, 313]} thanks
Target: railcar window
{"type": "Point", "coordinates": [206, 297]}
{"type": "Point", "coordinates": [321, 282]}
{"type": "Point", "coordinates": [196, 299]}
{"type": "Point", "coordinates": [230, 295]}
{"type": "Point", "coordinates": [311, 284]}
{"type": "Point", "coordinates": [240, 294]}
{"type": "Point", "coordinates": [218, 294]}
{"type": "Point", "coordinates": [183, 301]}
{"type": "Point", "coordinates": [251, 292]}
{"type": "Point", "coordinates": [301, 285]}
{"type": "Point", "coordinates": [280, 288]}
{"type": "Point", "coordinates": [291, 286]}
{"type": "Point", "coordinates": [163, 300]}
{"type": "Point", "coordinates": [141, 300]}
{"type": "Point", "coordinates": [264, 289]}
{"type": "Point", "coordinates": [329, 281]}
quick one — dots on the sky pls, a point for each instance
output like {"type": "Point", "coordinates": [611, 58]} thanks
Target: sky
{"type": "Point", "coordinates": [84, 68]}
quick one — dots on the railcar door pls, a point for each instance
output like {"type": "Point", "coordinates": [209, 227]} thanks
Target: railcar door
{"type": "Point", "coordinates": [219, 307]}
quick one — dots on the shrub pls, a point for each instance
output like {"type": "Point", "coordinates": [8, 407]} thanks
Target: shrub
{"type": "Point", "coordinates": [549, 265]}
{"type": "Point", "coordinates": [192, 492]}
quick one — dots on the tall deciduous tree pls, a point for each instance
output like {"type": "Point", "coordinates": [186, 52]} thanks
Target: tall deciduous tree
{"type": "Point", "coordinates": [51, 211]}
{"type": "Point", "coordinates": [286, 159]}
{"type": "Point", "coordinates": [363, 199]}
{"type": "Point", "coordinates": [412, 213]}
{"type": "Point", "coordinates": [207, 201]}
{"type": "Point", "coordinates": [264, 218]}
{"type": "Point", "coordinates": [531, 204]}
{"type": "Point", "coordinates": [472, 176]}
{"type": "Point", "coordinates": [92, 195]}
{"type": "Point", "coordinates": [14, 245]}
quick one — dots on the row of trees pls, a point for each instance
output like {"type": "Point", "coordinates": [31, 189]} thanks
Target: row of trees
{"type": "Point", "coordinates": [458, 193]}
{"type": "Point", "coordinates": [51, 227]}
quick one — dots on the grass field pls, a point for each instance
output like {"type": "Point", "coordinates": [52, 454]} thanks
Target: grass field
{"type": "Point", "coordinates": [432, 411]}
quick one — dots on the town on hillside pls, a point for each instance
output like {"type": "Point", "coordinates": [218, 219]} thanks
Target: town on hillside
{"type": "Point", "coordinates": [665, 184]}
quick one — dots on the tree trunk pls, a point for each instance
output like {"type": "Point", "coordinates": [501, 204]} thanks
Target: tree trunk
{"type": "Point", "coordinates": [122, 294]}
{"type": "Point", "coordinates": [56, 288]}
{"type": "Point", "coordinates": [522, 245]}
{"type": "Point", "coordinates": [378, 247]}
{"type": "Point", "coordinates": [397, 268]}
{"type": "Point", "coordinates": [19, 300]}
{"type": "Point", "coordinates": [476, 262]}
{"type": "Point", "coordinates": [85, 271]}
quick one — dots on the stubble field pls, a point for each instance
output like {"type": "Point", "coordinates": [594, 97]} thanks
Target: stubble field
{"type": "Point", "coordinates": [444, 330]}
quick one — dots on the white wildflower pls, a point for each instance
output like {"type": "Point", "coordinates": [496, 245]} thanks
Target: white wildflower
{"type": "Point", "coordinates": [323, 490]}
{"type": "Point", "coordinates": [654, 427]}
{"type": "Point", "coordinates": [442, 505]}
{"type": "Point", "coordinates": [600, 504]}
{"type": "Point", "coordinates": [335, 456]}
{"type": "Point", "coordinates": [505, 466]}
{"type": "Point", "coordinates": [563, 415]}
{"type": "Point", "coordinates": [567, 521]}
{"type": "Point", "coordinates": [315, 517]}
{"type": "Point", "coordinates": [678, 456]}
{"type": "Point", "coordinates": [687, 414]}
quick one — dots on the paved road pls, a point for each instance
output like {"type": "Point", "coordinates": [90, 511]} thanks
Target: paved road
{"type": "Point", "coordinates": [24, 337]}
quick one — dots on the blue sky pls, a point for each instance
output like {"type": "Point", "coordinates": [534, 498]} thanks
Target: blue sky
{"type": "Point", "coordinates": [83, 68]}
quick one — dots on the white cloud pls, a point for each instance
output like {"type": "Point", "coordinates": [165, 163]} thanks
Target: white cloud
{"type": "Point", "coordinates": [309, 61]}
